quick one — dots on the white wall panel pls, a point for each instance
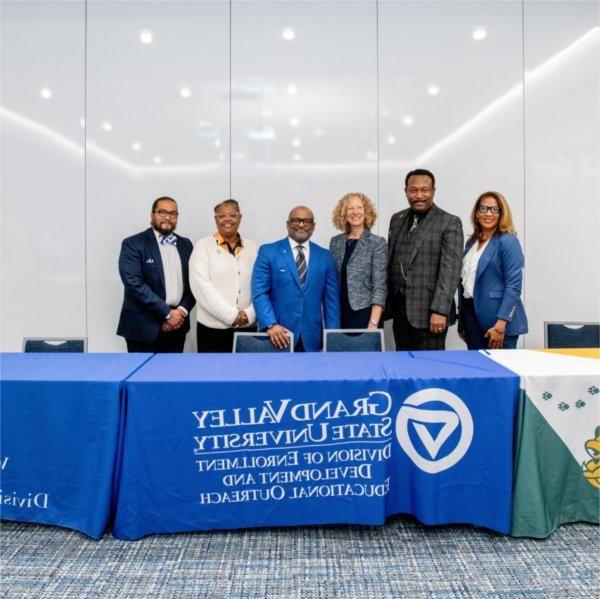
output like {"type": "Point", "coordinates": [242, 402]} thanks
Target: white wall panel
{"type": "Point", "coordinates": [562, 107]}
{"type": "Point", "coordinates": [319, 89]}
{"type": "Point", "coordinates": [137, 88]}
{"type": "Point", "coordinates": [470, 133]}
{"type": "Point", "coordinates": [42, 171]}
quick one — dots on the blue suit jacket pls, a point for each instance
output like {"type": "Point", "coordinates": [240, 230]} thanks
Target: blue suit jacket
{"type": "Point", "coordinates": [498, 283]}
{"type": "Point", "coordinates": [279, 298]}
{"type": "Point", "coordinates": [141, 269]}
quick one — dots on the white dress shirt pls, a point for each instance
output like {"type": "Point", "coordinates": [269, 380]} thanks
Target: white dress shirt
{"type": "Point", "coordinates": [469, 268]}
{"type": "Point", "coordinates": [172, 269]}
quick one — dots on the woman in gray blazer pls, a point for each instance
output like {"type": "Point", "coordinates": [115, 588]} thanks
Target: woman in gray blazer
{"type": "Point", "coordinates": [361, 261]}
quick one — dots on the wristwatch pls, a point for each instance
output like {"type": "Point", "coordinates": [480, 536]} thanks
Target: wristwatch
{"type": "Point", "coordinates": [375, 323]}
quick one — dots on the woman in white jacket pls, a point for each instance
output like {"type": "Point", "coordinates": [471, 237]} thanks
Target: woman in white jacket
{"type": "Point", "coordinates": [220, 279]}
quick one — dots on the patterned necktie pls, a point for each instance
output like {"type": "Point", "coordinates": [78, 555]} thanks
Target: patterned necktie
{"type": "Point", "coordinates": [415, 223]}
{"type": "Point", "coordinates": [170, 239]}
{"type": "Point", "coordinates": [301, 264]}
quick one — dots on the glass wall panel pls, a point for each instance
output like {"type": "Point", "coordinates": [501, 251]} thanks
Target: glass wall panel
{"type": "Point", "coordinates": [42, 171]}
{"type": "Point", "coordinates": [451, 101]}
{"type": "Point", "coordinates": [304, 110]}
{"type": "Point", "coordinates": [562, 108]}
{"type": "Point", "coordinates": [158, 125]}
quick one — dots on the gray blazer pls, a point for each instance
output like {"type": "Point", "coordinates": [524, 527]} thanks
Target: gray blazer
{"type": "Point", "coordinates": [366, 270]}
{"type": "Point", "coordinates": [433, 268]}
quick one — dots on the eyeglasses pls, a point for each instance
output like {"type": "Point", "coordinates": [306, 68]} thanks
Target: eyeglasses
{"type": "Point", "coordinates": [307, 222]}
{"type": "Point", "coordinates": [167, 213]}
{"type": "Point", "coordinates": [485, 209]}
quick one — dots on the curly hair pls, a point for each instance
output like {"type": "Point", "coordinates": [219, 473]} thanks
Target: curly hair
{"type": "Point", "coordinates": [505, 224]}
{"type": "Point", "coordinates": [339, 212]}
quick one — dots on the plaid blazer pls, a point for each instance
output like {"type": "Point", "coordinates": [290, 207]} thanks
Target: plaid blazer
{"type": "Point", "coordinates": [432, 269]}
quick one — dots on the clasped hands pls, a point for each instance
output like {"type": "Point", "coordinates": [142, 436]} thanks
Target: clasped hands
{"type": "Point", "coordinates": [174, 322]}
{"type": "Point", "coordinates": [241, 320]}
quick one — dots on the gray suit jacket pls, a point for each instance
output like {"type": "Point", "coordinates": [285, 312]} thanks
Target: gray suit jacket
{"type": "Point", "coordinates": [432, 269]}
{"type": "Point", "coordinates": [366, 270]}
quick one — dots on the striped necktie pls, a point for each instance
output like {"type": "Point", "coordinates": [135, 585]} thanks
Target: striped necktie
{"type": "Point", "coordinates": [301, 264]}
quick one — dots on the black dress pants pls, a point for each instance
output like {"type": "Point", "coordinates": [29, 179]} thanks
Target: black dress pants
{"type": "Point", "coordinates": [409, 338]}
{"type": "Point", "coordinates": [217, 341]}
{"type": "Point", "coordinates": [165, 343]}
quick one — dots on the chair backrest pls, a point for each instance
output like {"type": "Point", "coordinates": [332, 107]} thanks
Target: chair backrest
{"type": "Point", "coordinates": [59, 345]}
{"type": "Point", "coordinates": [571, 334]}
{"type": "Point", "coordinates": [258, 342]}
{"type": "Point", "coordinates": [352, 340]}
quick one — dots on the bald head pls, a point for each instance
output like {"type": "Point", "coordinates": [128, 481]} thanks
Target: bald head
{"type": "Point", "coordinates": [300, 223]}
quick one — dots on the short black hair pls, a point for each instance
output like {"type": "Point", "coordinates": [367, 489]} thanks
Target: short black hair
{"type": "Point", "coordinates": [163, 199]}
{"type": "Point", "coordinates": [229, 202]}
{"type": "Point", "coordinates": [417, 172]}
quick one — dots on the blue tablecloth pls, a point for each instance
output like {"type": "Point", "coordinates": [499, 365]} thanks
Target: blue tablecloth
{"type": "Point", "coordinates": [248, 440]}
{"type": "Point", "coordinates": [60, 428]}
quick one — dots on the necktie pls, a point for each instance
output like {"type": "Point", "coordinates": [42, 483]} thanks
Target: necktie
{"type": "Point", "coordinates": [170, 239]}
{"type": "Point", "coordinates": [301, 264]}
{"type": "Point", "coordinates": [415, 224]}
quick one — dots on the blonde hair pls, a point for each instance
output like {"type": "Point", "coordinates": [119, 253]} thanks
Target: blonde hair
{"type": "Point", "coordinates": [339, 212]}
{"type": "Point", "coordinates": [505, 223]}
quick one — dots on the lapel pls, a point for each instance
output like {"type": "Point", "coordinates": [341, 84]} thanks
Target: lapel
{"type": "Point", "coordinates": [422, 231]}
{"type": "Point", "coordinates": [398, 226]}
{"type": "Point", "coordinates": [360, 244]}
{"type": "Point", "coordinates": [286, 250]}
{"type": "Point", "coordinates": [488, 253]}
{"type": "Point", "coordinates": [155, 252]}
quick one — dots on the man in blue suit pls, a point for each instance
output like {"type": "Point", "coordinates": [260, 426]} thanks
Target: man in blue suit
{"type": "Point", "coordinates": [295, 286]}
{"type": "Point", "coordinates": [154, 269]}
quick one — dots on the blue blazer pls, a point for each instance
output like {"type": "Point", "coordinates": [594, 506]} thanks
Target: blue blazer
{"type": "Point", "coordinates": [279, 298]}
{"type": "Point", "coordinates": [141, 269]}
{"type": "Point", "coordinates": [498, 283]}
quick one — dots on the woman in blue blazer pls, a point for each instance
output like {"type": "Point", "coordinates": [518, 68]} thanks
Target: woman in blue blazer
{"type": "Point", "coordinates": [491, 314]}
{"type": "Point", "coordinates": [361, 261]}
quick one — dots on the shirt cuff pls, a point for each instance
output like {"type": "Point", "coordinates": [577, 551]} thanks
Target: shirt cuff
{"type": "Point", "coordinates": [185, 312]}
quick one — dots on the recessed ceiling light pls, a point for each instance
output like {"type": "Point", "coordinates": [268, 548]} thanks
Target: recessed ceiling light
{"type": "Point", "coordinates": [479, 34]}
{"type": "Point", "coordinates": [319, 132]}
{"type": "Point", "coordinates": [46, 93]}
{"type": "Point", "coordinates": [146, 36]}
{"type": "Point", "coordinates": [217, 143]}
{"type": "Point", "coordinates": [371, 155]}
{"type": "Point", "coordinates": [106, 126]}
{"type": "Point", "coordinates": [288, 34]}
{"type": "Point", "coordinates": [266, 113]}
{"type": "Point", "coordinates": [433, 90]}
{"type": "Point", "coordinates": [296, 142]}
{"type": "Point", "coordinates": [221, 156]}
{"type": "Point", "coordinates": [136, 145]}
{"type": "Point", "coordinates": [185, 92]}
{"type": "Point", "coordinates": [157, 160]}
{"type": "Point", "coordinates": [407, 120]}
{"type": "Point", "coordinates": [294, 121]}
{"type": "Point", "coordinates": [292, 89]}
{"type": "Point", "coordinates": [82, 123]}
{"type": "Point", "coordinates": [391, 139]}
{"type": "Point", "coordinates": [297, 157]}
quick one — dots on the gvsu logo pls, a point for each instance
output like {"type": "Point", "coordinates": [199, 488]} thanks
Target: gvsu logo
{"type": "Point", "coordinates": [432, 427]}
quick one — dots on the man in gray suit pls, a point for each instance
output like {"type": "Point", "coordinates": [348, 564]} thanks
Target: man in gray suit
{"type": "Point", "coordinates": [425, 246]}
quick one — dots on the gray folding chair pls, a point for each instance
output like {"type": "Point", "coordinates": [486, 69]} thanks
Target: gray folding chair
{"type": "Point", "coordinates": [258, 342]}
{"type": "Point", "coordinates": [571, 334]}
{"type": "Point", "coordinates": [352, 340]}
{"type": "Point", "coordinates": [57, 345]}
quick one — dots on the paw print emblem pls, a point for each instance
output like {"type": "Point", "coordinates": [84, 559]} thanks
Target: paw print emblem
{"type": "Point", "coordinates": [546, 395]}
{"type": "Point", "coordinates": [562, 406]}
{"type": "Point", "coordinates": [593, 390]}
{"type": "Point", "coordinates": [579, 403]}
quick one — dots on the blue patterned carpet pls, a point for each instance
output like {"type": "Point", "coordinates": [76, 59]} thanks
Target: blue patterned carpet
{"type": "Point", "coordinates": [401, 559]}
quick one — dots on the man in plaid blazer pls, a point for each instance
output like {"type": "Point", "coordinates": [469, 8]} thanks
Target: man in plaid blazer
{"type": "Point", "coordinates": [425, 246]}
